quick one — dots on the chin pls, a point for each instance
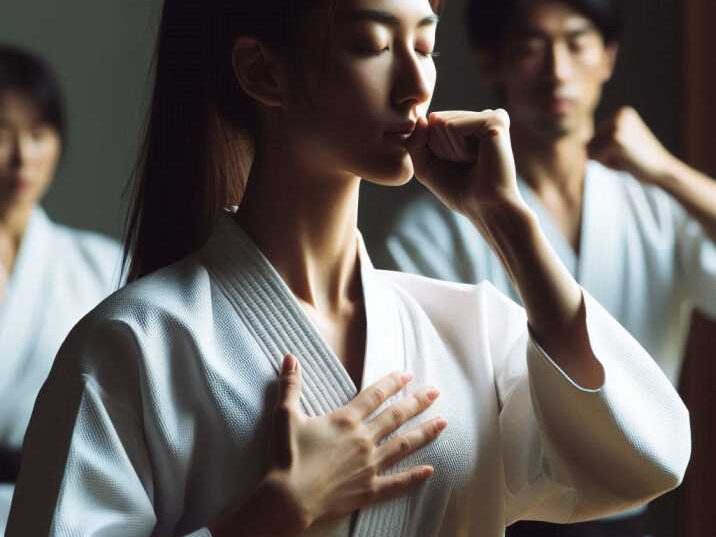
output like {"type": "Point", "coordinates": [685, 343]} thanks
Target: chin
{"type": "Point", "coordinates": [391, 172]}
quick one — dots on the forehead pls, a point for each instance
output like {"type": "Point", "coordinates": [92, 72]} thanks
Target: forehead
{"type": "Point", "coordinates": [18, 109]}
{"type": "Point", "coordinates": [552, 17]}
{"type": "Point", "coordinates": [403, 13]}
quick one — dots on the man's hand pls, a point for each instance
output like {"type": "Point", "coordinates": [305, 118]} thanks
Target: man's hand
{"type": "Point", "coordinates": [625, 143]}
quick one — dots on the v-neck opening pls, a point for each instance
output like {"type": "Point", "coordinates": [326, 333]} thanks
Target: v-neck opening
{"type": "Point", "coordinates": [290, 320]}
{"type": "Point", "coordinates": [559, 241]}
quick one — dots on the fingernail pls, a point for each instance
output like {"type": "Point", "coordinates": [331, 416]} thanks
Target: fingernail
{"type": "Point", "coordinates": [440, 424]}
{"type": "Point", "coordinates": [407, 377]}
{"type": "Point", "coordinates": [289, 364]}
{"type": "Point", "coordinates": [433, 393]}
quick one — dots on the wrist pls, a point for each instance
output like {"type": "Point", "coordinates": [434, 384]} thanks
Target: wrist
{"type": "Point", "coordinates": [509, 217]}
{"type": "Point", "coordinates": [669, 174]}
{"type": "Point", "coordinates": [272, 510]}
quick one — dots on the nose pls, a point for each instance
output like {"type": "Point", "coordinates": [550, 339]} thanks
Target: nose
{"type": "Point", "coordinates": [559, 65]}
{"type": "Point", "coordinates": [414, 81]}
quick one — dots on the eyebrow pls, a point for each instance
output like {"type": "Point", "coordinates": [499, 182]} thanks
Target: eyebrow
{"type": "Point", "coordinates": [383, 17]}
{"type": "Point", "coordinates": [574, 33]}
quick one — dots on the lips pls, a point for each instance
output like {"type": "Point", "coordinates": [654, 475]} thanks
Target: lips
{"type": "Point", "coordinates": [401, 130]}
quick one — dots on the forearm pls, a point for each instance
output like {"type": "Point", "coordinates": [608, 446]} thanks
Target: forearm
{"type": "Point", "coordinates": [695, 191]}
{"type": "Point", "coordinates": [552, 298]}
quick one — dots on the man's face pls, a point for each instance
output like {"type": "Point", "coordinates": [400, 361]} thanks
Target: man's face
{"type": "Point", "coordinates": [554, 67]}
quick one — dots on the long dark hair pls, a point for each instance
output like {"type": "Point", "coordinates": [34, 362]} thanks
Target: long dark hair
{"type": "Point", "coordinates": [200, 127]}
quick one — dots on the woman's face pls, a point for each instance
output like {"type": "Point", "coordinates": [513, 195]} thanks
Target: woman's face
{"type": "Point", "coordinates": [29, 151]}
{"type": "Point", "coordinates": [366, 89]}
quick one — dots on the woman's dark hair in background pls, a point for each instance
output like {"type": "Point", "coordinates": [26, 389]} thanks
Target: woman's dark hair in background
{"type": "Point", "coordinates": [491, 21]}
{"type": "Point", "coordinates": [198, 140]}
{"type": "Point", "coordinates": [32, 77]}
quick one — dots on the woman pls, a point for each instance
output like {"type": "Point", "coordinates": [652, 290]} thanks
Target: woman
{"type": "Point", "coordinates": [168, 388]}
{"type": "Point", "coordinates": [50, 275]}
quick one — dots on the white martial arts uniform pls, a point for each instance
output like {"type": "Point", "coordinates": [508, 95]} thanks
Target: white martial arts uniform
{"type": "Point", "coordinates": [59, 276]}
{"type": "Point", "coordinates": [641, 256]}
{"type": "Point", "coordinates": [156, 415]}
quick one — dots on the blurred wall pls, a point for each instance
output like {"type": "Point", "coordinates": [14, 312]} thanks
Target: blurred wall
{"type": "Point", "coordinates": [101, 50]}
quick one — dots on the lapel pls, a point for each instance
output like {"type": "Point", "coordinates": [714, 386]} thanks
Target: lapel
{"type": "Point", "coordinates": [28, 294]}
{"type": "Point", "coordinates": [279, 325]}
{"type": "Point", "coordinates": [603, 231]}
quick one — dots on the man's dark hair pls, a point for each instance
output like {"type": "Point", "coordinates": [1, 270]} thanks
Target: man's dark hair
{"type": "Point", "coordinates": [32, 77]}
{"type": "Point", "coordinates": [490, 21]}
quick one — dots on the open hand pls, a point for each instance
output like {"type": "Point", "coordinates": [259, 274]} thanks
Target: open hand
{"type": "Point", "coordinates": [328, 466]}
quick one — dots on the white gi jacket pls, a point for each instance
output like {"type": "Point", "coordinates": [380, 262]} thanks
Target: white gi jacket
{"type": "Point", "coordinates": [641, 256]}
{"type": "Point", "coordinates": [156, 415]}
{"type": "Point", "coordinates": [59, 276]}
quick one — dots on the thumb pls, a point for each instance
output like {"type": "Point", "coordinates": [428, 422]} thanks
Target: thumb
{"type": "Point", "coordinates": [417, 144]}
{"type": "Point", "coordinates": [289, 382]}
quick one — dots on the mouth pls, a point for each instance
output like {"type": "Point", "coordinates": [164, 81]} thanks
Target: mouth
{"type": "Point", "coordinates": [17, 185]}
{"type": "Point", "coordinates": [401, 131]}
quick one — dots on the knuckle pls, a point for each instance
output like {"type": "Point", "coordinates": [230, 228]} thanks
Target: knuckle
{"type": "Point", "coordinates": [364, 445]}
{"type": "Point", "coordinates": [503, 117]}
{"type": "Point", "coordinates": [283, 412]}
{"type": "Point", "coordinates": [345, 421]}
{"type": "Point", "coordinates": [397, 416]}
{"type": "Point", "coordinates": [377, 396]}
{"type": "Point", "coordinates": [404, 446]}
{"type": "Point", "coordinates": [423, 400]}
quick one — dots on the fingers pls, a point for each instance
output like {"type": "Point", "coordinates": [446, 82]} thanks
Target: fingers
{"type": "Point", "coordinates": [404, 445]}
{"type": "Point", "coordinates": [368, 401]}
{"type": "Point", "coordinates": [417, 145]}
{"type": "Point", "coordinates": [289, 382]}
{"type": "Point", "coordinates": [396, 415]}
{"type": "Point", "coordinates": [388, 487]}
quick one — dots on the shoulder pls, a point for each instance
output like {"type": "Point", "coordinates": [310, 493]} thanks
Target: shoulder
{"type": "Point", "coordinates": [170, 292]}
{"type": "Point", "coordinates": [152, 323]}
{"type": "Point", "coordinates": [91, 254]}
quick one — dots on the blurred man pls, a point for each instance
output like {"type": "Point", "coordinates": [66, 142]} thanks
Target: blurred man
{"type": "Point", "coordinates": [633, 223]}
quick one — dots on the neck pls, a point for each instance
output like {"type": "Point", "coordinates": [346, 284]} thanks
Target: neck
{"type": "Point", "coordinates": [305, 225]}
{"type": "Point", "coordinates": [554, 163]}
{"type": "Point", "coordinates": [13, 224]}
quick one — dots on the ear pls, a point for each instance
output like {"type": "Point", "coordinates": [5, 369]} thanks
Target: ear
{"type": "Point", "coordinates": [611, 53]}
{"type": "Point", "coordinates": [258, 72]}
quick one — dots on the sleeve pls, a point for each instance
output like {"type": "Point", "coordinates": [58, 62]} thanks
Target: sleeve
{"type": "Point", "coordinates": [696, 263]}
{"type": "Point", "coordinates": [571, 454]}
{"type": "Point", "coordinates": [86, 469]}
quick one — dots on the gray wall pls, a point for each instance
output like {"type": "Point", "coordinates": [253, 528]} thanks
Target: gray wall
{"type": "Point", "coordinates": [102, 50]}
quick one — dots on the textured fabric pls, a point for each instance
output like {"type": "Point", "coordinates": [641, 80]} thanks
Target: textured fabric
{"type": "Point", "coordinates": [59, 276]}
{"type": "Point", "coordinates": [641, 256]}
{"type": "Point", "coordinates": [156, 415]}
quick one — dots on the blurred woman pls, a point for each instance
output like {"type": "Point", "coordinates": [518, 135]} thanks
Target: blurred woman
{"type": "Point", "coordinates": [157, 417]}
{"type": "Point", "coordinates": [50, 275]}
